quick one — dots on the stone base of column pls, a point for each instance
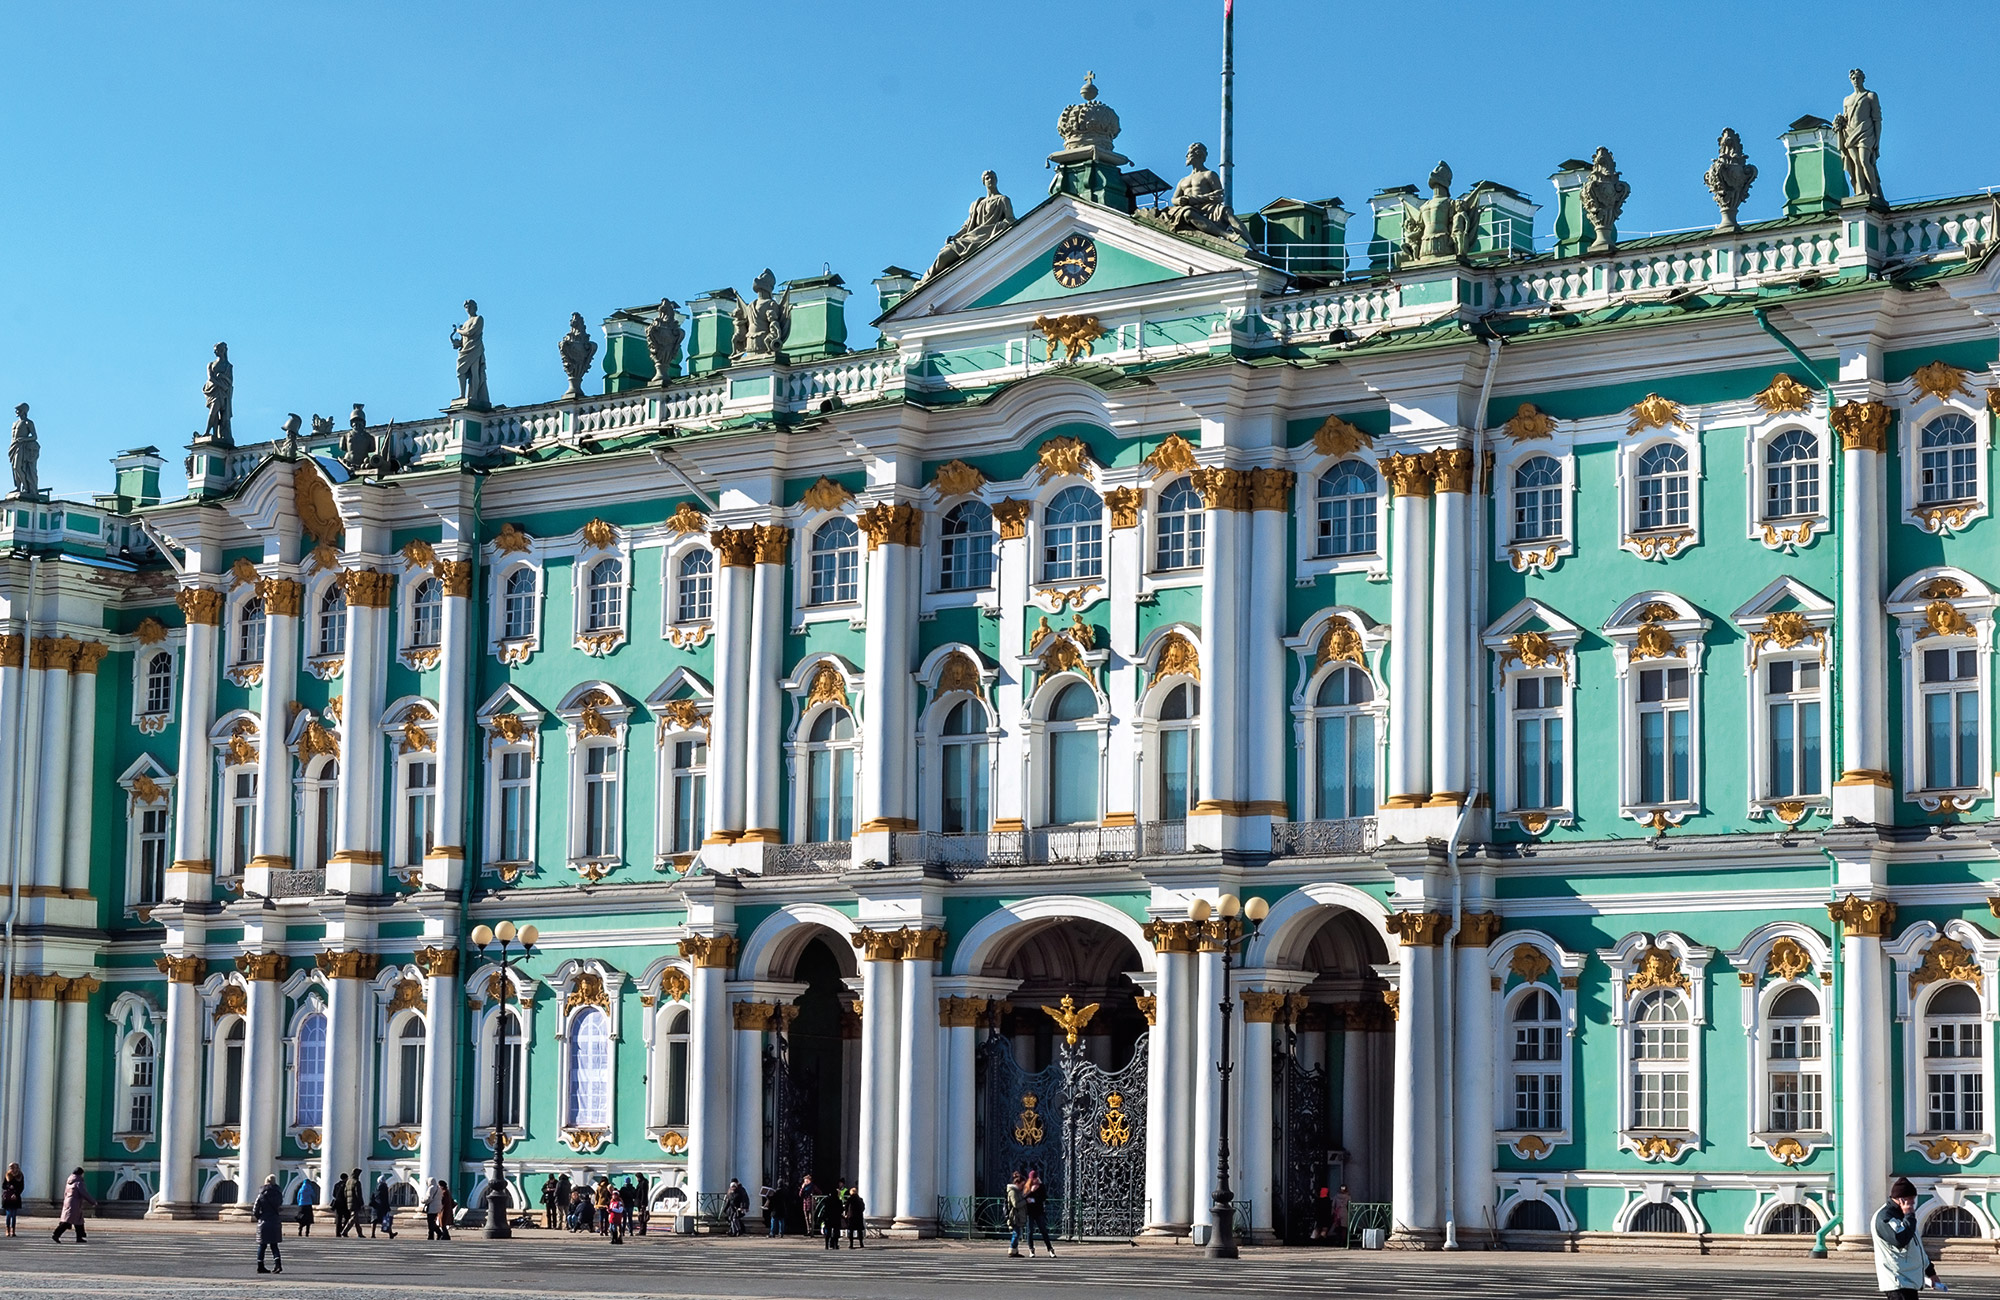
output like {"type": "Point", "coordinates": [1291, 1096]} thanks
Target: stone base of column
{"type": "Point", "coordinates": [238, 1213]}
{"type": "Point", "coordinates": [913, 1227]}
{"type": "Point", "coordinates": [1164, 1234]}
{"type": "Point", "coordinates": [173, 1210]}
{"type": "Point", "coordinates": [1416, 1239]}
{"type": "Point", "coordinates": [1415, 825]}
{"type": "Point", "coordinates": [1864, 796]}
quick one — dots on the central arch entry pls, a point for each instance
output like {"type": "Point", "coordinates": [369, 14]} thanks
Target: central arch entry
{"type": "Point", "coordinates": [811, 1067]}
{"type": "Point", "coordinates": [1062, 1076]}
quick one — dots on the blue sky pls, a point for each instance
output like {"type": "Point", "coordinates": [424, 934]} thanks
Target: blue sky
{"type": "Point", "coordinates": [322, 185]}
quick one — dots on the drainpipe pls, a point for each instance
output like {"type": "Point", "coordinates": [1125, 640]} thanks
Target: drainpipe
{"type": "Point", "coordinates": [1834, 1067]}
{"type": "Point", "coordinates": [8, 1046]}
{"type": "Point", "coordinates": [1811, 377]}
{"type": "Point", "coordinates": [469, 836]}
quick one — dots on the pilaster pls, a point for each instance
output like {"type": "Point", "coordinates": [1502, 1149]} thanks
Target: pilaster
{"type": "Point", "coordinates": [441, 1029]}
{"type": "Point", "coordinates": [710, 1087]}
{"type": "Point", "coordinates": [344, 1142]}
{"type": "Point", "coordinates": [73, 1071]}
{"type": "Point", "coordinates": [82, 770]}
{"type": "Point", "coordinates": [728, 727]}
{"type": "Point", "coordinates": [880, 1071]}
{"type": "Point", "coordinates": [1415, 1183]}
{"type": "Point", "coordinates": [766, 704]}
{"type": "Point", "coordinates": [894, 530]}
{"type": "Point", "coordinates": [263, 1066]}
{"type": "Point", "coordinates": [1214, 821]}
{"type": "Point", "coordinates": [1867, 1016]}
{"type": "Point", "coordinates": [55, 659]}
{"type": "Point", "coordinates": [281, 598]}
{"type": "Point", "coordinates": [1410, 479]}
{"type": "Point", "coordinates": [1451, 638]}
{"type": "Point", "coordinates": [1864, 790]}
{"type": "Point", "coordinates": [192, 875]}
{"type": "Point", "coordinates": [444, 865]}
{"type": "Point", "coordinates": [356, 865]}
{"type": "Point", "coordinates": [180, 1085]}
{"type": "Point", "coordinates": [917, 1086]}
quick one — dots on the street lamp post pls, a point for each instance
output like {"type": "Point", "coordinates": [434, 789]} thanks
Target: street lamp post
{"type": "Point", "coordinates": [496, 1188]}
{"type": "Point", "coordinates": [1223, 1244]}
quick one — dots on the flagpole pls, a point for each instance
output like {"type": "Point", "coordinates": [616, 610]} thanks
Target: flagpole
{"type": "Point", "coordinates": [1228, 106]}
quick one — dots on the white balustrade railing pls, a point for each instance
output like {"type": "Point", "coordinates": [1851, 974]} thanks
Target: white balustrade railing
{"type": "Point", "coordinates": [1319, 313]}
{"type": "Point", "coordinates": [694, 403]}
{"type": "Point", "coordinates": [856, 377]}
{"type": "Point", "coordinates": [1944, 230]}
{"type": "Point", "coordinates": [1344, 838]}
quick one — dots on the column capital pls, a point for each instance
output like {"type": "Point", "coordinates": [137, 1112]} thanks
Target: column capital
{"type": "Point", "coordinates": [770, 542]}
{"type": "Point", "coordinates": [1271, 489]}
{"type": "Point", "coordinates": [889, 523]}
{"type": "Point", "coordinates": [1216, 933]}
{"type": "Point", "coordinates": [1865, 918]}
{"type": "Point", "coordinates": [923, 944]}
{"type": "Point", "coordinates": [89, 654]}
{"type": "Point", "coordinates": [962, 1013]}
{"type": "Point", "coordinates": [1863, 426]}
{"type": "Point", "coordinates": [1170, 936]}
{"type": "Point", "coordinates": [281, 596]}
{"type": "Point", "coordinates": [261, 965]}
{"type": "Point", "coordinates": [753, 1015]}
{"type": "Point", "coordinates": [347, 965]}
{"type": "Point", "coordinates": [877, 945]}
{"type": "Point", "coordinates": [710, 951]}
{"type": "Point", "coordinates": [438, 963]}
{"type": "Point", "coordinates": [55, 653]}
{"type": "Point", "coordinates": [79, 989]}
{"type": "Point", "coordinates": [1478, 929]}
{"type": "Point", "coordinates": [13, 650]}
{"type": "Point", "coordinates": [1451, 469]}
{"type": "Point", "coordinates": [1012, 518]}
{"type": "Point", "coordinates": [456, 576]}
{"type": "Point", "coordinates": [1417, 929]}
{"type": "Point", "coordinates": [182, 970]}
{"type": "Point", "coordinates": [1261, 1007]}
{"type": "Point", "coordinates": [201, 606]}
{"type": "Point", "coordinates": [1222, 489]}
{"type": "Point", "coordinates": [1410, 474]}
{"type": "Point", "coordinates": [368, 588]}
{"type": "Point", "coordinates": [735, 547]}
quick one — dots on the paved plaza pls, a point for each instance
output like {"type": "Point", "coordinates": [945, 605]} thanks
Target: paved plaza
{"type": "Point", "coordinates": [210, 1261]}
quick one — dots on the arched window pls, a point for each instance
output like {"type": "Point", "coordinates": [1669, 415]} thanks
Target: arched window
{"type": "Point", "coordinates": [1533, 1216]}
{"type": "Point", "coordinates": [589, 1102]}
{"type": "Point", "coordinates": [965, 775]}
{"type": "Point", "coordinates": [604, 597]}
{"type": "Point", "coordinates": [331, 635]}
{"type": "Point", "coordinates": [600, 801]}
{"type": "Point", "coordinates": [1344, 746]}
{"type": "Point", "coordinates": [140, 1075]}
{"type": "Point", "coordinates": [1954, 1059]}
{"type": "Point", "coordinates": [1793, 1220]}
{"type": "Point", "coordinates": [688, 794]}
{"type": "Point", "coordinates": [965, 560]}
{"type": "Point", "coordinates": [830, 777]}
{"type": "Point", "coordinates": [1538, 499]}
{"type": "Point", "coordinates": [1948, 460]}
{"type": "Point", "coordinates": [1663, 487]}
{"type": "Point", "coordinates": [1073, 536]}
{"type": "Point", "coordinates": [1660, 1063]}
{"type": "Point", "coordinates": [1658, 1216]}
{"type": "Point", "coordinates": [1177, 527]}
{"type": "Point", "coordinates": [694, 587]}
{"type": "Point", "coordinates": [309, 1074]}
{"type": "Point", "coordinates": [1346, 510]}
{"type": "Point", "coordinates": [160, 682]}
{"type": "Point", "coordinates": [229, 1075]}
{"type": "Point", "coordinates": [677, 1069]}
{"type": "Point", "coordinates": [426, 613]}
{"type": "Point", "coordinates": [250, 632]}
{"type": "Point", "coordinates": [1180, 752]}
{"type": "Point", "coordinates": [836, 563]}
{"type": "Point", "coordinates": [1538, 1054]}
{"type": "Point", "coordinates": [409, 1082]}
{"type": "Point", "coordinates": [1791, 475]}
{"type": "Point", "coordinates": [502, 1022]}
{"type": "Point", "coordinates": [517, 621]}
{"type": "Point", "coordinates": [321, 789]}
{"type": "Point", "coordinates": [1793, 1047]}
{"type": "Point", "coordinates": [1072, 750]}
{"type": "Point", "coordinates": [1948, 1221]}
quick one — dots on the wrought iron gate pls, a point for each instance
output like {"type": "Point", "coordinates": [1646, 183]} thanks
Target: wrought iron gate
{"type": "Point", "coordinates": [789, 1121]}
{"type": "Point", "coordinates": [1302, 1139]}
{"type": "Point", "coordinates": [1082, 1126]}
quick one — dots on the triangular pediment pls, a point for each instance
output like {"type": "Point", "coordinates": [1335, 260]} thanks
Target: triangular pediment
{"type": "Point", "coordinates": [1019, 268]}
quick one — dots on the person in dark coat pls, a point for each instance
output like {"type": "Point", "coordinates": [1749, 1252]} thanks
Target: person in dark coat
{"type": "Point", "coordinates": [383, 1207]}
{"type": "Point", "coordinates": [75, 1198]}
{"type": "Point", "coordinates": [340, 1206]}
{"type": "Point", "coordinates": [549, 1193]}
{"type": "Point", "coordinates": [10, 1195]}
{"type": "Point", "coordinates": [269, 1213]}
{"type": "Point", "coordinates": [306, 1198]}
{"type": "Point", "coordinates": [857, 1222]}
{"type": "Point", "coordinates": [735, 1207]}
{"type": "Point", "coordinates": [1036, 1193]}
{"type": "Point", "coordinates": [826, 1218]}
{"type": "Point", "coordinates": [644, 1209]}
{"type": "Point", "coordinates": [357, 1202]}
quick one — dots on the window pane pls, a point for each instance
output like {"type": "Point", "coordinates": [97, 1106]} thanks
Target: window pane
{"type": "Point", "coordinates": [1072, 777]}
{"type": "Point", "coordinates": [1174, 775]}
{"type": "Point", "coordinates": [1938, 741]}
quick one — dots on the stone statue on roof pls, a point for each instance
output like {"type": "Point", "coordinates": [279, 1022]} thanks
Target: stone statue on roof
{"type": "Point", "coordinates": [1859, 126]}
{"type": "Point", "coordinates": [470, 341]}
{"type": "Point", "coordinates": [578, 350]}
{"type": "Point", "coordinates": [288, 445]}
{"type": "Point", "coordinates": [219, 391]}
{"type": "Point", "coordinates": [988, 218]}
{"type": "Point", "coordinates": [663, 340]}
{"type": "Point", "coordinates": [359, 448]}
{"type": "Point", "coordinates": [1442, 227]}
{"type": "Point", "coordinates": [1198, 205]}
{"type": "Point", "coordinates": [1604, 193]}
{"type": "Point", "coordinates": [24, 456]}
{"type": "Point", "coordinates": [1729, 177]}
{"type": "Point", "coordinates": [761, 322]}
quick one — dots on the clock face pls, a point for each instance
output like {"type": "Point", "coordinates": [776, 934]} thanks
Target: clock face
{"type": "Point", "coordinates": [1075, 260]}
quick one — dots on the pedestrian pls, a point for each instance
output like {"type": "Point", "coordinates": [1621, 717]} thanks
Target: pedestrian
{"type": "Point", "coordinates": [628, 1205]}
{"type": "Point", "coordinates": [857, 1224]}
{"type": "Point", "coordinates": [357, 1203]}
{"type": "Point", "coordinates": [1037, 1196]}
{"type": "Point", "coordinates": [1343, 1209]}
{"type": "Point", "coordinates": [10, 1194]}
{"type": "Point", "coordinates": [826, 1219]}
{"type": "Point", "coordinates": [645, 1205]}
{"type": "Point", "coordinates": [735, 1207]}
{"type": "Point", "coordinates": [268, 1212]}
{"type": "Point", "coordinates": [340, 1206]}
{"type": "Point", "coordinates": [449, 1209]}
{"type": "Point", "coordinates": [73, 1201]}
{"type": "Point", "coordinates": [1902, 1266]}
{"type": "Point", "coordinates": [1017, 1216]}
{"type": "Point", "coordinates": [305, 1198]}
{"type": "Point", "coordinates": [433, 1203]}
{"type": "Point", "coordinates": [614, 1219]}
{"type": "Point", "coordinates": [384, 1206]}
{"type": "Point", "coordinates": [562, 1199]}
{"type": "Point", "coordinates": [600, 1201]}
{"type": "Point", "coordinates": [548, 1202]}
{"type": "Point", "coordinates": [809, 1204]}
{"type": "Point", "coordinates": [767, 1201]}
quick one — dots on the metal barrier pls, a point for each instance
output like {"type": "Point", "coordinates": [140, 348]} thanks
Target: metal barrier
{"type": "Point", "coordinates": [1366, 1214]}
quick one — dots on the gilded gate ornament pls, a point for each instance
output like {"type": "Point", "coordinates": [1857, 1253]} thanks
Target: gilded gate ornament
{"type": "Point", "coordinates": [1070, 1018]}
{"type": "Point", "coordinates": [1114, 1131]}
{"type": "Point", "coordinates": [1028, 1130]}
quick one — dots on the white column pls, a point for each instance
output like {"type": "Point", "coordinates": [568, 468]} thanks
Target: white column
{"type": "Point", "coordinates": [192, 876]}
{"type": "Point", "coordinates": [356, 866]}
{"type": "Point", "coordinates": [263, 1071]}
{"type": "Point", "coordinates": [349, 1047]}
{"type": "Point", "coordinates": [1867, 1018]}
{"type": "Point", "coordinates": [1358, 1123]}
{"type": "Point", "coordinates": [1207, 1089]}
{"type": "Point", "coordinates": [1264, 708]}
{"type": "Point", "coordinates": [960, 1126]}
{"type": "Point", "coordinates": [708, 1062]}
{"type": "Point", "coordinates": [1472, 1077]}
{"type": "Point", "coordinates": [1451, 613]}
{"type": "Point", "coordinates": [1864, 788]}
{"type": "Point", "coordinates": [441, 995]}
{"type": "Point", "coordinates": [888, 727]}
{"type": "Point", "coordinates": [729, 723]}
{"type": "Point", "coordinates": [180, 1087]}
{"type": "Point", "coordinates": [1253, 1099]}
{"type": "Point", "coordinates": [916, 1083]}
{"type": "Point", "coordinates": [274, 761]}
{"type": "Point", "coordinates": [1011, 568]}
{"type": "Point", "coordinates": [1225, 494]}
{"type": "Point", "coordinates": [766, 705]}
{"type": "Point", "coordinates": [1414, 1183]}
{"type": "Point", "coordinates": [82, 769]}
{"type": "Point", "coordinates": [17, 1033]}
{"type": "Point", "coordinates": [746, 1159]}
{"type": "Point", "coordinates": [15, 714]}
{"type": "Point", "coordinates": [54, 657]}
{"type": "Point", "coordinates": [880, 1023]}
{"type": "Point", "coordinates": [1173, 1009]}
{"type": "Point", "coordinates": [73, 1072]}
{"type": "Point", "coordinates": [38, 1088]}
{"type": "Point", "coordinates": [444, 865]}
{"type": "Point", "coordinates": [1409, 636]}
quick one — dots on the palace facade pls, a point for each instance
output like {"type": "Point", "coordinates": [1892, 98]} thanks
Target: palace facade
{"type": "Point", "coordinates": [1585, 651]}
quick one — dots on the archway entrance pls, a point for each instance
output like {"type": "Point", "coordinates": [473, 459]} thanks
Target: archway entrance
{"type": "Point", "coordinates": [811, 1119]}
{"type": "Point", "coordinates": [1073, 1110]}
{"type": "Point", "coordinates": [1333, 1077]}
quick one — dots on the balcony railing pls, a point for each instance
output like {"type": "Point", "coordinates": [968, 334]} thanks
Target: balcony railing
{"type": "Point", "coordinates": [823, 858]}
{"type": "Point", "coordinates": [297, 884]}
{"type": "Point", "coordinates": [1349, 837]}
{"type": "Point", "coordinates": [1043, 845]}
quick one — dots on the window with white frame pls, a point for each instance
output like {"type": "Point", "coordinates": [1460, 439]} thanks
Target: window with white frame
{"type": "Point", "coordinates": [319, 813]}
{"type": "Point", "coordinates": [588, 1104]}
{"type": "Point", "coordinates": [1794, 1066]}
{"type": "Point", "coordinates": [151, 847]}
{"type": "Point", "coordinates": [1538, 499]}
{"type": "Point", "coordinates": [1073, 536]}
{"type": "Point", "coordinates": [1539, 715]}
{"type": "Point", "coordinates": [1177, 526]}
{"type": "Point", "coordinates": [240, 822]}
{"type": "Point", "coordinates": [309, 1073]}
{"type": "Point", "coordinates": [226, 1095]}
{"type": "Point", "coordinates": [965, 806]}
{"type": "Point", "coordinates": [159, 683]}
{"type": "Point", "coordinates": [1794, 716]}
{"type": "Point", "coordinates": [139, 1077]}
{"type": "Point", "coordinates": [1663, 501]}
{"type": "Point", "coordinates": [514, 800]}
{"type": "Point", "coordinates": [407, 1081]}
{"type": "Point", "coordinates": [418, 822]}
{"type": "Point", "coordinates": [965, 552]}
{"type": "Point", "coordinates": [836, 563]}
{"type": "Point", "coordinates": [1791, 476]}
{"type": "Point", "coordinates": [330, 636]}
{"type": "Point", "coordinates": [687, 794]}
{"type": "Point", "coordinates": [604, 596]}
{"type": "Point", "coordinates": [694, 587]}
{"type": "Point", "coordinates": [1070, 734]}
{"type": "Point", "coordinates": [1345, 501]}
{"type": "Point", "coordinates": [1343, 741]}
{"type": "Point", "coordinates": [1664, 760]}
{"type": "Point", "coordinates": [1538, 1067]}
{"type": "Point", "coordinates": [250, 633]}
{"type": "Point", "coordinates": [600, 801]}
{"type": "Point", "coordinates": [517, 605]}
{"type": "Point", "coordinates": [1660, 1062]}
{"type": "Point", "coordinates": [1948, 460]}
{"type": "Point", "coordinates": [1954, 1060]}
{"type": "Point", "coordinates": [829, 762]}
{"type": "Point", "coordinates": [426, 613]}
{"type": "Point", "coordinates": [677, 1069]}
{"type": "Point", "coordinates": [1948, 697]}
{"type": "Point", "coordinates": [1179, 750]}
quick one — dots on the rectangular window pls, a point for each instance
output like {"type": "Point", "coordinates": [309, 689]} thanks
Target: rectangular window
{"type": "Point", "coordinates": [1538, 742]}
{"type": "Point", "coordinates": [1664, 760]}
{"type": "Point", "coordinates": [243, 821]}
{"type": "Point", "coordinates": [1793, 713]}
{"type": "Point", "coordinates": [1345, 762]}
{"type": "Point", "coordinates": [677, 1081]}
{"type": "Point", "coordinates": [139, 1118]}
{"type": "Point", "coordinates": [965, 789]}
{"type": "Point", "coordinates": [515, 791]}
{"type": "Point", "coordinates": [419, 801]}
{"type": "Point", "coordinates": [152, 854]}
{"type": "Point", "coordinates": [829, 795]}
{"type": "Point", "coordinates": [1660, 1092]}
{"type": "Point", "coordinates": [600, 802]}
{"type": "Point", "coordinates": [1537, 1102]}
{"type": "Point", "coordinates": [1950, 693]}
{"type": "Point", "coordinates": [1177, 756]}
{"type": "Point", "coordinates": [1073, 797]}
{"type": "Point", "coordinates": [690, 795]}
